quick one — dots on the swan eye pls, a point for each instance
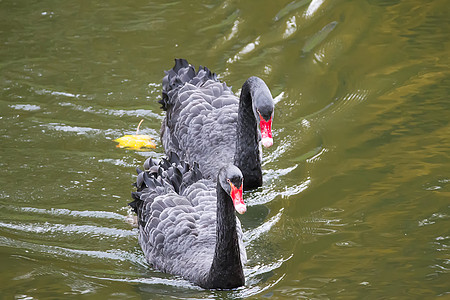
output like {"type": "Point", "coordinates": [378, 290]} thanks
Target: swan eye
{"type": "Point", "coordinates": [228, 180]}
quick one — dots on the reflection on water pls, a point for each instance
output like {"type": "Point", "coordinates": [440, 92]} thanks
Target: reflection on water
{"type": "Point", "coordinates": [355, 195]}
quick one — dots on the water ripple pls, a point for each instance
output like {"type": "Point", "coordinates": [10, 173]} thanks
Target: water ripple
{"type": "Point", "coordinates": [313, 7]}
{"type": "Point", "coordinates": [57, 93]}
{"type": "Point", "coordinates": [68, 212]}
{"type": "Point", "coordinates": [270, 193]}
{"type": "Point", "coordinates": [26, 107]}
{"type": "Point", "coordinates": [433, 219]}
{"type": "Point", "coordinates": [82, 131]}
{"type": "Point", "coordinates": [247, 49]}
{"type": "Point", "coordinates": [153, 281]}
{"type": "Point", "coordinates": [290, 8]}
{"type": "Point", "coordinates": [72, 129]}
{"type": "Point", "coordinates": [114, 254]}
{"type": "Point", "coordinates": [251, 235]}
{"type": "Point", "coordinates": [56, 229]}
{"type": "Point", "coordinates": [114, 112]}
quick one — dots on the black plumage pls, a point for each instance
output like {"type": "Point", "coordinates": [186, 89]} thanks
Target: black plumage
{"type": "Point", "coordinates": [187, 224]}
{"type": "Point", "coordinates": [206, 123]}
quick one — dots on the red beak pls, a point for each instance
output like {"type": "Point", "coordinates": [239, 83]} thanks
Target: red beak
{"type": "Point", "coordinates": [266, 131]}
{"type": "Point", "coordinates": [236, 195]}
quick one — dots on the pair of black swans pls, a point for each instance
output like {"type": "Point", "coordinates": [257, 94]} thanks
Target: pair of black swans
{"type": "Point", "coordinates": [185, 202]}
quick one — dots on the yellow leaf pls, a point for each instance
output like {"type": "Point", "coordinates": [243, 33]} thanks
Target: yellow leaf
{"type": "Point", "coordinates": [135, 142]}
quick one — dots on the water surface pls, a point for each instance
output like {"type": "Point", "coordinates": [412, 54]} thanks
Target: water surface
{"type": "Point", "coordinates": [355, 202]}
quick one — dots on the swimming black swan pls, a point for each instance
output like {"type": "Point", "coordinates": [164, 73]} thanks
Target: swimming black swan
{"type": "Point", "coordinates": [187, 224]}
{"type": "Point", "coordinates": [206, 123]}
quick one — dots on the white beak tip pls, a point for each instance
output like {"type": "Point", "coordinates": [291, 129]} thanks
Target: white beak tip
{"type": "Point", "coordinates": [240, 208]}
{"type": "Point", "coordinates": [267, 142]}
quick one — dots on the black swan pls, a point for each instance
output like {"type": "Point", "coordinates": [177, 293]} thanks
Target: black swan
{"type": "Point", "coordinates": [187, 224]}
{"type": "Point", "coordinates": [206, 123]}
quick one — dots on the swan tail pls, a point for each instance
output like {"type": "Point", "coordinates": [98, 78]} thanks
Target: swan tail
{"type": "Point", "coordinates": [170, 174]}
{"type": "Point", "coordinates": [182, 73]}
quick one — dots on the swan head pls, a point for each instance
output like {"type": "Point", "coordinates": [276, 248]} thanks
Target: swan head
{"type": "Point", "coordinates": [231, 181]}
{"type": "Point", "coordinates": [263, 107]}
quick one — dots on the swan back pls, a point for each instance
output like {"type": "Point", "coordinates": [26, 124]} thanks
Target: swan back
{"type": "Point", "coordinates": [200, 123]}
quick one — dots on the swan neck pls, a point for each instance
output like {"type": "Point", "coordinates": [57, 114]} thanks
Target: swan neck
{"type": "Point", "coordinates": [248, 153]}
{"type": "Point", "coordinates": [226, 269]}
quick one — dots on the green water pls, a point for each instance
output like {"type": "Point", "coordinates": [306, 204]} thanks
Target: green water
{"type": "Point", "coordinates": [356, 199]}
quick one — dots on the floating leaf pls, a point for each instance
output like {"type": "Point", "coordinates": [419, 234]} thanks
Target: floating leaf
{"type": "Point", "coordinates": [136, 141]}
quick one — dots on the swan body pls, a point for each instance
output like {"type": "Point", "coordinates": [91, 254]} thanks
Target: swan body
{"type": "Point", "coordinates": [187, 224]}
{"type": "Point", "coordinates": [206, 123]}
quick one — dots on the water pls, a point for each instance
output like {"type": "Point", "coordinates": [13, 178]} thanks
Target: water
{"type": "Point", "coordinates": [356, 196]}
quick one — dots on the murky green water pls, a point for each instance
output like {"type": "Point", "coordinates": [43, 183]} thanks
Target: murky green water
{"type": "Point", "coordinates": [356, 200]}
